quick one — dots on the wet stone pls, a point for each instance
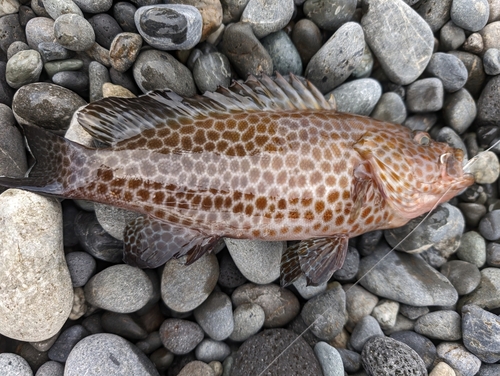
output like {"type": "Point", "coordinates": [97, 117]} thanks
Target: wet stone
{"type": "Point", "coordinates": [81, 267]}
{"type": "Point", "coordinates": [422, 345]}
{"type": "Point", "coordinates": [470, 15]}
{"type": "Point", "coordinates": [357, 97]}
{"type": "Point", "coordinates": [425, 95]}
{"type": "Point", "coordinates": [269, 17]}
{"type": "Point", "coordinates": [74, 32]}
{"type": "Point", "coordinates": [211, 71]}
{"type": "Point", "coordinates": [248, 320]}
{"type": "Point", "coordinates": [481, 333]}
{"type": "Point", "coordinates": [66, 341]}
{"type": "Point", "coordinates": [215, 316]}
{"type": "Point", "coordinates": [180, 336]}
{"type": "Point", "coordinates": [458, 358]}
{"type": "Point", "coordinates": [459, 110]}
{"type": "Point", "coordinates": [390, 108]}
{"type": "Point", "coordinates": [464, 276]}
{"type": "Point", "coordinates": [123, 13]}
{"type": "Point", "coordinates": [443, 325]}
{"type": "Point", "coordinates": [209, 350]}
{"type": "Point", "coordinates": [307, 38]}
{"type": "Point", "coordinates": [329, 14]}
{"type": "Point", "coordinates": [451, 37]}
{"type": "Point", "coordinates": [449, 69]}
{"type": "Point", "coordinates": [491, 61]}
{"type": "Point", "coordinates": [284, 55]}
{"type": "Point", "coordinates": [368, 327]}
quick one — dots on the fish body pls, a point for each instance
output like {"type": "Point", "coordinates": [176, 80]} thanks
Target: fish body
{"type": "Point", "coordinates": [269, 159]}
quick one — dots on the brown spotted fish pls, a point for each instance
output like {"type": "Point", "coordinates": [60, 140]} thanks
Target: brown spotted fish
{"type": "Point", "coordinates": [268, 159]}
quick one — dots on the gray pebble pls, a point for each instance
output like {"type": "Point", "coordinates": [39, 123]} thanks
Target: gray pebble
{"type": "Point", "coordinates": [368, 327]}
{"type": "Point", "coordinates": [329, 14]}
{"type": "Point", "coordinates": [491, 61]}
{"type": "Point", "coordinates": [16, 47]}
{"type": "Point", "coordinates": [422, 345]}
{"type": "Point", "coordinates": [412, 312]}
{"type": "Point", "coordinates": [124, 325]}
{"type": "Point", "coordinates": [449, 69]}
{"type": "Point", "coordinates": [154, 70]}
{"type": "Point", "coordinates": [357, 97]}
{"type": "Point", "coordinates": [458, 358]}
{"type": "Point", "coordinates": [107, 354]}
{"type": "Point", "coordinates": [443, 325]}
{"type": "Point", "coordinates": [286, 58]}
{"type": "Point", "coordinates": [464, 276]}
{"type": "Point", "coordinates": [459, 110]}
{"type": "Point", "coordinates": [488, 106]}
{"type": "Point", "coordinates": [425, 95]}
{"type": "Point", "coordinates": [474, 67]}
{"type": "Point", "coordinates": [384, 37]}
{"type": "Point", "coordinates": [53, 67]}
{"type": "Point", "coordinates": [180, 336]}
{"type": "Point", "coordinates": [229, 275]}
{"type": "Point", "coordinates": [489, 227]}
{"type": "Point", "coordinates": [329, 359]}
{"type": "Point", "coordinates": [6, 92]}
{"type": "Point", "coordinates": [307, 38]}
{"type": "Point", "coordinates": [13, 161]}
{"type": "Point", "coordinates": [337, 58]}
{"type": "Point", "coordinates": [75, 81]}
{"type": "Point", "coordinates": [359, 303]}
{"type": "Point", "coordinates": [307, 292]}
{"type": "Point", "coordinates": [349, 269]}
{"type": "Point", "coordinates": [74, 32]}
{"type": "Point", "coordinates": [481, 333]}
{"type": "Point", "coordinates": [12, 364]}
{"type": "Point", "coordinates": [232, 10]}
{"type": "Point", "coordinates": [390, 108]}
{"type": "Point", "coordinates": [474, 44]}
{"type": "Point", "coordinates": [487, 294]}
{"type": "Point", "coordinates": [94, 6]}
{"type": "Point", "coordinates": [53, 51]}
{"type": "Point", "coordinates": [402, 323]}
{"type": "Point", "coordinates": [434, 12]}
{"type": "Point", "coordinates": [124, 51]}
{"type": "Point", "coordinates": [113, 219]}
{"type": "Point", "coordinates": [169, 26]}
{"type": "Point", "coordinates": [66, 341]}
{"type": "Point", "coordinates": [211, 71]}
{"type": "Point", "coordinates": [39, 9]}
{"type": "Point", "coordinates": [124, 12]}
{"type": "Point", "coordinates": [209, 350]}
{"type": "Point", "coordinates": [489, 370]}
{"type": "Point", "coordinates": [81, 267]}
{"type": "Point", "coordinates": [365, 66]}
{"type": "Point", "coordinates": [451, 37]}
{"type": "Point", "coordinates": [99, 54]}
{"type": "Point", "coordinates": [350, 359]}
{"type": "Point", "coordinates": [151, 343]}
{"type": "Point", "coordinates": [50, 368]}
{"type": "Point", "coordinates": [493, 254]}
{"type": "Point", "coordinates": [119, 288]}
{"type": "Point", "coordinates": [25, 14]}
{"type": "Point", "coordinates": [470, 15]}
{"type": "Point", "coordinates": [248, 320]}
{"type": "Point", "coordinates": [472, 249]}
{"type": "Point", "coordinates": [386, 313]}
{"type": "Point", "coordinates": [98, 75]}
{"type": "Point", "coordinates": [490, 34]}
{"type": "Point", "coordinates": [10, 31]}
{"type": "Point", "coordinates": [55, 8]}
{"type": "Point", "coordinates": [215, 316]}
{"type": "Point", "coordinates": [105, 28]}
{"type": "Point", "coordinates": [266, 18]}
{"type": "Point", "coordinates": [23, 68]}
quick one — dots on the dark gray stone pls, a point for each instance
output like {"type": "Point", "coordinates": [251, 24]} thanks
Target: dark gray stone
{"type": "Point", "coordinates": [491, 61]}
{"type": "Point", "coordinates": [10, 31]}
{"type": "Point", "coordinates": [267, 19]}
{"type": "Point", "coordinates": [350, 267]}
{"type": "Point", "coordinates": [180, 336]}
{"type": "Point", "coordinates": [474, 66]}
{"type": "Point", "coordinates": [422, 345]}
{"type": "Point", "coordinates": [151, 343]}
{"type": "Point", "coordinates": [425, 95]}
{"type": "Point", "coordinates": [124, 325]}
{"type": "Point", "coordinates": [329, 14]}
{"type": "Point", "coordinates": [66, 341]}
{"type": "Point", "coordinates": [229, 275]}
{"type": "Point", "coordinates": [94, 6]}
{"type": "Point", "coordinates": [459, 110]}
{"type": "Point", "coordinates": [13, 158]}
{"type": "Point", "coordinates": [232, 10]}
{"type": "Point", "coordinates": [390, 108]}
{"type": "Point", "coordinates": [53, 51]}
{"type": "Point", "coordinates": [487, 294]}
{"type": "Point", "coordinates": [412, 312]}
{"type": "Point", "coordinates": [50, 368]}
{"type": "Point", "coordinates": [451, 37]}
{"type": "Point", "coordinates": [124, 12]}
{"type": "Point", "coordinates": [365, 329]}
{"type": "Point", "coordinates": [105, 28]}
{"type": "Point", "coordinates": [307, 38]}
{"type": "Point", "coordinates": [493, 254]}
{"type": "Point", "coordinates": [286, 58]}
{"type": "Point", "coordinates": [350, 359]}
{"type": "Point", "coordinates": [489, 226]}
{"type": "Point", "coordinates": [211, 71]}
{"type": "Point", "coordinates": [75, 81]}
{"type": "Point", "coordinates": [489, 370]}
{"type": "Point", "coordinates": [81, 267]}
{"type": "Point", "coordinates": [449, 69]}
{"type": "Point", "coordinates": [464, 276]}
{"type": "Point", "coordinates": [481, 333]}
{"type": "Point", "coordinates": [434, 12]}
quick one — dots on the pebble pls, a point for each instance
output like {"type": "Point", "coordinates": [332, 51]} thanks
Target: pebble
{"type": "Point", "coordinates": [197, 368]}
{"type": "Point", "coordinates": [151, 343]}
{"type": "Point", "coordinates": [481, 333]}
{"type": "Point", "coordinates": [449, 69]}
{"type": "Point", "coordinates": [105, 28]}
{"type": "Point", "coordinates": [66, 341]}
{"type": "Point", "coordinates": [162, 359]}
{"type": "Point", "coordinates": [451, 37]}
{"type": "Point", "coordinates": [185, 287]}
{"type": "Point", "coordinates": [384, 37]}
{"type": "Point", "coordinates": [493, 254]}
{"type": "Point", "coordinates": [425, 95]}
{"type": "Point", "coordinates": [94, 6]}
{"type": "Point", "coordinates": [113, 219]}
{"type": "Point", "coordinates": [23, 68]}
{"type": "Point", "coordinates": [119, 288]}
{"type": "Point", "coordinates": [266, 17]}
{"type": "Point", "coordinates": [464, 276]}
{"type": "Point", "coordinates": [417, 282]}
{"type": "Point", "coordinates": [365, 67]}
{"type": "Point", "coordinates": [211, 12]}
{"type": "Point", "coordinates": [107, 354]}
{"type": "Point", "coordinates": [16, 47]}
{"type": "Point", "coordinates": [472, 248]}
{"type": "Point", "coordinates": [474, 67]}
{"type": "Point", "coordinates": [472, 213]}
{"type": "Point", "coordinates": [359, 303]}
{"type": "Point", "coordinates": [337, 58]}
{"type": "Point", "coordinates": [13, 160]}
{"type": "Point", "coordinates": [474, 44]}
{"type": "Point", "coordinates": [368, 327]}
{"type": "Point", "coordinates": [50, 368]}
{"type": "Point", "coordinates": [412, 312]}
{"type": "Point", "coordinates": [211, 71]}
{"type": "Point", "coordinates": [489, 370]}
{"type": "Point", "coordinates": [491, 61]}
{"type": "Point", "coordinates": [248, 320]}
{"type": "Point", "coordinates": [329, 14]}
{"type": "Point", "coordinates": [110, 90]}
{"type": "Point", "coordinates": [261, 349]}
{"type": "Point", "coordinates": [9, 7]}
{"type": "Point", "coordinates": [459, 110]}
{"type": "Point", "coordinates": [420, 344]}
{"type": "Point", "coordinates": [10, 31]}
{"type": "Point", "coordinates": [357, 97]}
{"type": "Point", "coordinates": [169, 26]}
{"type": "Point", "coordinates": [285, 57]}
{"type": "Point", "coordinates": [25, 14]}
{"type": "Point", "coordinates": [280, 305]}
{"type": "Point", "coordinates": [124, 50]}
{"type": "Point", "coordinates": [386, 313]}
{"type": "Point", "coordinates": [470, 15]}
{"type": "Point", "coordinates": [74, 32]}
{"type": "Point", "coordinates": [442, 369]}
{"type": "Point", "coordinates": [215, 316]}
{"type": "Point", "coordinates": [56, 8]}
{"type": "Point", "coordinates": [390, 108]}
{"type": "Point", "coordinates": [458, 358]}
{"type": "Point", "coordinates": [307, 38]}
{"type": "Point", "coordinates": [75, 81]}
{"type": "Point", "coordinates": [350, 359]}
{"type": "Point", "coordinates": [81, 267]}
{"type": "Point", "coordinates": [6, 92]}
{"type": "Point", "coordinates": [209, 350]}
{"type": "Point", "coordinates": [99, 54]}
{"type": "Point", "coordinates": [53, 67]}
{"type": "Point", "coordinates": [489, 226]}
{"type": "Point", "coordinates": [329, 359]}
{"type": "Point", "coordinates": [490, 35]}
{"type": "Point", "coordinates": [98, 76]}
{"type": "Point", "coordinates": [12, 364]}
{"type": "Point", "coordinates": [124, 12]}
{"type": "Point", "coordinates": [487, 294]}
{"type": "Point", "coordinates": [180, 336]}
{"type": "Point", "coordinates": [442, 325]}
{"type": "Point", "coordinates": [154, 70]}
{"type": "Point", "coordinates": [123, 325]}
{"type": "Point", "coordinates": [435, 12]}
{"type": "Point", "coordinates": [229, 274]}
{"type": "Point", "coordinates": [307, 292]}
{"type": "Point", "coordinates": [245, 52]}
{"type": "Point", "coordinates": [382, 355]}
{"type": "Point", "coordinates": [46, 304]}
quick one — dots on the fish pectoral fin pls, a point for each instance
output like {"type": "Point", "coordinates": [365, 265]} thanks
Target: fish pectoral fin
{"type": "Point", "coordinates": [363, 181]}
{"type": "Point", "coordinates": [149, 243]}
{"type": "Point", "coordinates": [316, 258]}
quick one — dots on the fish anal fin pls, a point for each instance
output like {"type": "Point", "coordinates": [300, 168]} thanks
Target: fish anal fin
{"type": "Point", "coordinates": [149, 243]}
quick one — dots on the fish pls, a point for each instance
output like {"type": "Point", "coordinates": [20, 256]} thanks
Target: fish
{"type": "Point", "coordinates": [268, 158]}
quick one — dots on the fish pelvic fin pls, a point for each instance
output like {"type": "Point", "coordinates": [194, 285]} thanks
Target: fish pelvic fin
{"type": "Point", "coordinates": [52, 155]}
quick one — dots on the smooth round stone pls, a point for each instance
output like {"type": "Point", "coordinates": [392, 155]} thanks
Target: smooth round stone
{"type": "Point", "coordinates": [197, 368]}
{"type": "Point", "coordinates": [307, 292]}
{"type": "Point", "coordinates": [280, 305]}
{"type": "Point", "coordinates": [421, 122]}
{"type": "Point", "coordinates": [422, 345]}
{"type": "Point", "coordinates": [151, 343]}
{"type": "Point", "coordinates": [351, 360]}
{"type": "Point", "coordinates": [185, 287]}
{"type": "Point", "coordinates": [329, 14]}
{"type": "Point", "coordinates": [307, 38]}
{"type": "Point", "coordinates": [383, 355]}
{"type": "Point", "coordinates": [489, 227]}
{"type": "Point", "coordinates": [169, 26]}
{"type": "Point", "coordinates": [490, 34]}
{"type": "Point", "coordinates": [180, 336]}
{"type": "Point", "coordinates": [113, 219]}
{"type": "Point", "coordinates": [75, 81]}
{"type": "Point", "coordinates": [326, 313]}
{"type": "Point", "coordinates": [385, 38]}
{"type": "Point", "coordinates": [286, 58]}
{"type": "Point", "coordinates": [486, 168]}
{"type": "Point", "coordinates": [209, 350]}
{"type": "Point", "coordinates": [481, 333]}
{"type": "Point", "coordinates": [464, 276]}
{"type": "Point", "coordinates": [105, 28]}
{"type": "Point", "coordinates": [470, 15]}
{"type": "Point", "coordinates": [81, 267]}
{"type": "Point", "coordinates": [245, 52]}
{"type": "Point", "coordinates": [386, 313]}
{"type": "Point", "coordinates": [46, 304]}
{"type": "Point", "coordinates": [23, 68]}
{"type": "Point", "coordinates": [56, 8]}
{"type": "Point", "coordinates": [491, 61]}
{"type": "Point", "coordinates": [61, 348]}
{"type": "Point", "coordinates": [390, 108]}
{"type": "Point", "coordinates": [94, 6]}
{"type": "Point", "coordinates": [124, 325]}
{"type": "Point", "coordinates": [488, 107]}
{"type": "Point", "coordinates": [425, 95]}
{"type": "Point", "coordinates": [368, 327]}
{"type": "Point", "coordinates": [269, 16]}
{"type": "Point", "coordinates": [337, 58]}
{"type": "Point", "coordinates": [107, 354]}
{"type": "Point", "coordinates": [229, 275]}
{"type": "Point", "coordinates": [74, 32]}
{"type": "Point", "coordinates": [487, 294]}
{"type": "Point", "coordinates": [119, 288]}
{"type": "Point", "coordinates": [211, 71]}
{"type": "Point", "coordinates": [493, 254]}
{"type": "Point", "coordinates": [215, 316]}
{"type": "Point", "coordinates": [258, 261]}
{"type": "Point", "coordinates": [16, 47]}
{"type": "Point", "coordinates": [349, 269]}
{"type": "Point", "coordinates": [489, 370]}
{"type": "Point", "coordinates": [261, 349]}
{"type": "Point", "coordinates": [248, 320]}
{"type": "Point", "coordinates": [124, 12]}
{"type": "Point", "coordinates": [449, 69]}
{"type": "Point", "coordinates": [359, 303]}
{"type": "Point", "coordinates": [10, 31]}
{"type": "Point", "coordinates": [434, 12]}
{"type": "Point", "coordinates": [124, 51]}
{"type": "Point", "coordinates": [415, 281]}
{"type": "Point", "coordinates": [459, 110]}
{"type": "Point", "coordinates": [357, 97]}
{"type": "Point", "coordinates": [451, 37]}
{"type": "Point", "coordinates": [155, 70]}
{"type": "Point", "coordinates": [442, 325]}
{"type": "Point", "coordinates": [13, 160]}
{"type": "Point", "coordinates": [12, 364]}
{"type": "Point", "coordinates": [474, 66]}
{"type": "Point", "coordinates": [50, 368]}
{"type": "Point", "coordinates": [458, 358]}
{"type": "Point", "coordinates": [472, 249]}
{"type": "Point", "coordinates": [329, 359]}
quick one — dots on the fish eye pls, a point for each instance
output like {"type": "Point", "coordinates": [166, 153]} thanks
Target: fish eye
{"type": "Point", "coordinates": [422, 138]}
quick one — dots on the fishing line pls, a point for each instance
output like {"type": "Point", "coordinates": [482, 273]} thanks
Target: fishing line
{"type": "Point", "coordinates": [468, 164]}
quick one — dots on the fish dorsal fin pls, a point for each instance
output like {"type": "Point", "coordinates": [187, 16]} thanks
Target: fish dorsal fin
{"type": "Point", "coordinates": [111, 120]}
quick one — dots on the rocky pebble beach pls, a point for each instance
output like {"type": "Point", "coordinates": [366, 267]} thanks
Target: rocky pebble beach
{"type": "Point", "coordinates": [69, 306]}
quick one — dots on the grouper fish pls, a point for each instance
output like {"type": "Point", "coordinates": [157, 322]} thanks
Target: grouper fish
{"type": "Point", "coordinates": [267, 159]}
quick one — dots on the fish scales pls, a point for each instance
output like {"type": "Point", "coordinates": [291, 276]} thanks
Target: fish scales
{"type": "Point", "coordinates": [268, 160]}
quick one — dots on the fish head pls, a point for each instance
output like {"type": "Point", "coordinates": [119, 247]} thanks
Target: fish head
{"type": "Point", "coordinates": [413, 172]}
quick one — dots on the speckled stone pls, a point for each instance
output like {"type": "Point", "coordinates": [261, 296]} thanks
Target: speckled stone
{"type": "Point", "coordinates": [74, 32]}
{"type": "Point", "coordinates": [329, 359]}
{"type": "Point", "coordinates": [488, 107]}
{"type": "Point", "coordinates": [81, 267]}
{"type": "Point", "coordinates": [286, 58]}
{"type": "Point", "coordinates": [459, 358]}
{"type": "Point", "coordinates": [15, 365]}
{"type": "Point", "coordinates": [491, 61]}
{"type": "Point", "coordinates": [329, 14]}
{"type": "Point", "coordinates": [359, 303]}
{"type": "Point", "coordinates": [16, 47]}
{"type": "Point", "coordinates": [489, 226]}
{"type": "Point", "coordinates": [248, 320]}
{"type": "Point", "coordinates": [472, 248]}
{"type": "Point", "coordinates": [56, 8]}
{"type": "Point", "coordinates": [434, 12]}
{"type": "Point", "coordinates": [266, 17]}
{"type": "Point", "coordinates": [444, 325]}
{"type": "Point", "coordinates": [209, 350]}
{"type": "Point", "coordinates": [180, 336]}
{"type": "Point", "coordinates": [23, 68]}
{"type": "Point", "coordinates": [459, 110]}
{"type": "Point", "coordinates": [470, 15]}
{"type": "Point", "coordinates": [124, 50]}
{"type": "Point", "coordinates": [487, 294]}
{"type": "Point", "coordinates": [13, 161]}
{"type": "Point", "coordinates": [357, 97]}
{"type": "Point", "coordinates": [425, 95]}
{"type": "Point", "coordinates": [481, 333]}
{"type": "Point", "coordinates": [215, 316]}
{"type": "Point", "coordinates": [422, 345]}
{"type": "Point", "coordinates": [50, 368]}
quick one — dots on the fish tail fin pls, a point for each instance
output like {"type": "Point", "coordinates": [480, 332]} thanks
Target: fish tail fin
{"type": "Point", "coordinates": [52, 154]}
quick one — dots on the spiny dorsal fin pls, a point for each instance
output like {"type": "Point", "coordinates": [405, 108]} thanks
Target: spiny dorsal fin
{"type": "Point", "coordinates": [113, 119]}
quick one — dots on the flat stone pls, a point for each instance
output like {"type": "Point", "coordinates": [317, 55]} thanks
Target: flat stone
{"type": "Point", "coordinates": [449, 69]}
{"type": "Point", "coordinates": [66, 341]}
{"type": "Point", "coordinates": [13, 161]}
{"type": "Point", "coordinates": [357, 97]}
{"type": "Point", "coordinates": [489, 226]}
{"type": "Point", "coordinates": [94, 6]}
{"type": "Point", "coordinates": [487, 294]}
{"type": "Point", "coordinates": [329, 359]}
{"type": "Point", "coordinates": [267, 16]}
{"type": "Point", "coordinates": [464, 276]}
{"type": "Point", "coordinates": [481, 333]}
{"type": "Point", "coordinates": [425, 95]}
{"type": "Point", "coordinates": [444, 325]}
{"type": "Point", "coordinates": [54, 67]}
{"type": "Point", "coordinates": [459, 358]}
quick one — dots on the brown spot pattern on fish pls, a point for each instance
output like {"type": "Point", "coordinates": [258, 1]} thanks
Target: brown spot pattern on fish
{"type": "Point", "coordinates": [267, 159]}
